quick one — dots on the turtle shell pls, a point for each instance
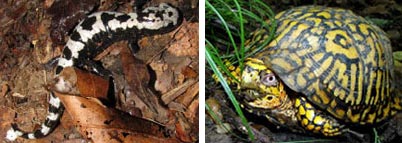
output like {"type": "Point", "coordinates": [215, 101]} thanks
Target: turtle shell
{"type": "Point", "coordinates": [341, 62]}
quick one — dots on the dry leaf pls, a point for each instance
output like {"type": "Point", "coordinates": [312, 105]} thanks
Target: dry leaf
{"type": "Point", "coordinates": [101, 124]}
{"type": "Point", "coordinates": [137, 88]}
{"type": "Point", "coordinates": [78, 82]}
{"type": "Point", "coordinates": [188, 72]}
{"type": "Point", "coordinates": [91, 85]}
{"type": "Point", "coordinates": [187, 41]}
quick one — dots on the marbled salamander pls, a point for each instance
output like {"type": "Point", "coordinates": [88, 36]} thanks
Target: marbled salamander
{"type": "Point", "coordinates": [82, 47]}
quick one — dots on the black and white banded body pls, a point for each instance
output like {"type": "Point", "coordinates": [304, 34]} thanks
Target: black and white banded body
{"type": "Point", "coordinates": [89, 38]}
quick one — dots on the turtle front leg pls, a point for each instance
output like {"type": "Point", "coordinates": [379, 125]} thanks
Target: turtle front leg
{"type": "Point", "coordinates": [315, 121]}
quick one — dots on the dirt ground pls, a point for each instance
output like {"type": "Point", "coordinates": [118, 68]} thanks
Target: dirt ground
{"type": "Point", "coordinates": [387, 13]}
{"type": "Point", "coordinates": [34, 32]}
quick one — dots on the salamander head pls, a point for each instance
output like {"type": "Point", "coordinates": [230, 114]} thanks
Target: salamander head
{"type": "Point", "coordinates": [162, 17]}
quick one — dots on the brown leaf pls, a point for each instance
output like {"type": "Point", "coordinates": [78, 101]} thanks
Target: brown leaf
{"type": "Point", "coordinates": [189, 96]}
{"type": "Point", "coordinates": [188, 72]}
{"type": "Point", "coordinates": [91, 85]}
{"type": "Point", "coordinates": [137, 77]}
{"type": "Point", "coordinates": [4, 89]}
{"type": "Point", "coordinates": [173, 94]}
{"type": "Point", "coordinates": [83, 83]}
{"type": "Point", "coordinates": [101, 124]}
{"type": "Point", "coordinates": [186, 40]}
{"type": "Point", "coordinates": [192, 111]}
{"type": "Point", "coordinates": [183, 129]}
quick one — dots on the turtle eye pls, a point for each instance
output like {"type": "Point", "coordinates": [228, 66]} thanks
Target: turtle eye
{"type": "Point", "coordinates": [269, 79]}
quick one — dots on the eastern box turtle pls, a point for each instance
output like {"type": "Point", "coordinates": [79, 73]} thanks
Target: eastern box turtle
{"type": "Point", "coordinates": [325, 69]}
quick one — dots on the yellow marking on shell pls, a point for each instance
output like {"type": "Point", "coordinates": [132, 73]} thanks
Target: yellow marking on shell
{"type": "Point", "coordinates": [351, 97]}
{"type": "Point", "coordinates": [364, 28]}
{"type": "Point", "coordinates": [311, 75]}
{"type": "Point", "coordinates": [348, 20]}
{"type": "Point", "coordinates": [311, 39]}
{"type": "Point", "coordinates": [341, 93]}
{"type": "Point", "coordinates": [380, 52]}
{"type": "Point", "coordinates": [282, 62]}
{"type": "Point", "coordinates": [334, 48]}
{"type": "Point", "coordinates": [324, 67]}
{"type": "Point", "coordinates": [317, 30]}
{"type": "Point", "coordinates": [301, 80]}
{"type": "Point", "coordinates": [318, 57]}
{"type": "Point", "coordinates": [295, 33]}
{"type": "Point", "coordinates": [325, 99]}
{"type": "Point", "coordinates": [396, 101]}
{"type": "Point", "coordinates": [360, 81]}
{"type": "Point", "coordinates": [377, 87]}
{"type": "Point", "coordinates": [308, 105]}
{"type": "Point", "coordinates": [333, 104]}
{"type": "Point", "coordinates": [282, 27]}
{"type": "Point", "coordinates": [316, 21]}
{"type": "Point", "coordinates": [314, 9]}
{"type": "Point", "coordinates": [331, 84]}
{"type": "Point", "coordinates": [385, 87]}
{"type": "Point", "coordinates": [316, 99]}
{"type": "Point", "coordinates": [342, 96]}
{"type": "Point", "coordinates": [369, 99]}
{"type": "Point", "coordinates": [338, 23]}
{"type": "Point", "coordinates": [279, 15]}
{"type": "Point", "coordinates": [331, 73]}
{"type": "Point", "coordinates": [371, 118]}
{"type": "Point", "coordinates": [353, 71]}
{"type": "Point", "coordinates": [386, 111]}
{"type": "Point", "coordinates": [353, 118]}
{"type": "Point", "coordinates": [372, 53]}
{"type": "Point", "coordinates": [357, 36]}
{"type": "Point", "coordinates": [285, 29]}
{"type": "Point", "coordinates": [365, 113]}
{"type": "Point", "coordinates": [352, 27]}
{"type": "Point", "coordinates": [329, 23]}
{"type": "Point", "coordinates": [340, 112]}
{"type": "Point", "coordinates": [304, 16]}
{"type": "Point", "coordinates": [343, 42]}
{"type": "Point", "coordinates": [325, 14]}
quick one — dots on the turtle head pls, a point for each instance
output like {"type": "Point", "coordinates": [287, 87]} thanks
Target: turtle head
{"type": "Point", "coordinates": [260, 87]}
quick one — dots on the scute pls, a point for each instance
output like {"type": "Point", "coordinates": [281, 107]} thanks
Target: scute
{"type": "Point", "coordinates": [334, 56]}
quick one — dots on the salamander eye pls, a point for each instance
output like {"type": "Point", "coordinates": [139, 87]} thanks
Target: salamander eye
{"type": "Point", "coordinates": [269, 79]}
